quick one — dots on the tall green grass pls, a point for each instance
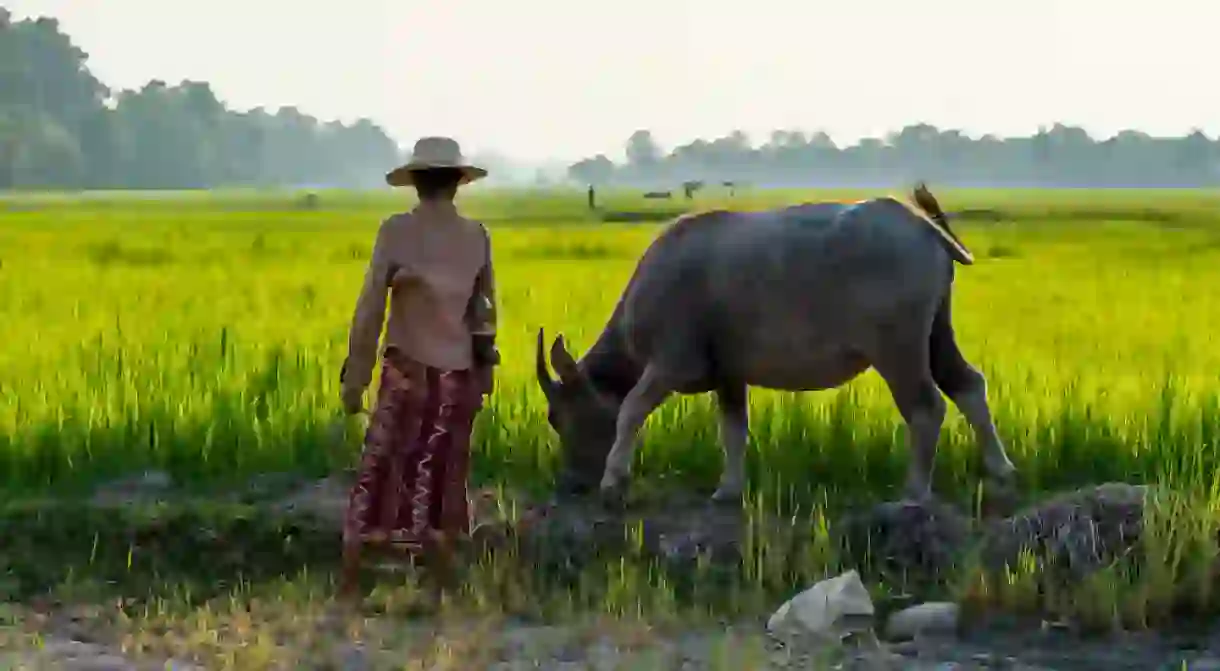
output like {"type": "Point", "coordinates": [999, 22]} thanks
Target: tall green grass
{"type": "Point", "coordinates": [203, 335]}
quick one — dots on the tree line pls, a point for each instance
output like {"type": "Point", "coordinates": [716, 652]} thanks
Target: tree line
{"type": "Point", "coordinates": [60, 127]}
{"type": "Point", "coordinates": [1062, 155]}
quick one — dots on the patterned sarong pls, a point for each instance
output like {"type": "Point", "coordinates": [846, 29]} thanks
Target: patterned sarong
{"type": "Point", "coordinates": [412, 476]}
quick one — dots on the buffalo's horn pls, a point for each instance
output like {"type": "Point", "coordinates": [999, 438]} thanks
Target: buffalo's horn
{"type": "Point", "coordinates": [544, 375]}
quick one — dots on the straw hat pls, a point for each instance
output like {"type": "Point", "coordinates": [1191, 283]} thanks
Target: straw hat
{"type": "Point", "coordinates": [434, 152]}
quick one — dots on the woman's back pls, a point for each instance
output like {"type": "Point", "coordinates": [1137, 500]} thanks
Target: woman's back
{"type": "Point", "coordinates": [436, 257]}
{"type": "Point", "coordinates": [431, 261]}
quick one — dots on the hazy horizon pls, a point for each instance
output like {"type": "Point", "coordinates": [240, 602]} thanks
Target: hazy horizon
{"type": "Point", "coordinates": [548, 81]}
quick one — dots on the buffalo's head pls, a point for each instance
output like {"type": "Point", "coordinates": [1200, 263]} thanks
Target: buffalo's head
{"type": "Point", "coordinates": [583, 417]}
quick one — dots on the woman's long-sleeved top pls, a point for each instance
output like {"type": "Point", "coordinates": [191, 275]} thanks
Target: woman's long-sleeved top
{"type": "Point", "coordinates": [435, 268]}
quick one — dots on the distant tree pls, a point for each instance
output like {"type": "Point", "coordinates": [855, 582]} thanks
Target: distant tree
{"type": "Point", "coordinates": [643, 152]}
{"type": "Point", "coordinates": [597, 171]}
{"type": "Point", "coordinates": [61, 127]}
{"type": "Point", "coordinates": [1056, 155]}
{"type": "Point", "coordinates": [49, 155]}
{"type": "Point", "coordinates": [10, 148]}
{"type": "Point", "coordinates": [1198, 158]}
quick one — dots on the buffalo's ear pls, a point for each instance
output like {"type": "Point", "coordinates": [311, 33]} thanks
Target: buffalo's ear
{"type": "Point", "coordinates": [565, 365]}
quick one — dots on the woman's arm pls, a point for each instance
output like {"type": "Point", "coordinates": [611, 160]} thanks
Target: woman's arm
{"type": "Point", "coordinates": [369, 317]}
{"type": "Point", "coordinates": [481, 313]}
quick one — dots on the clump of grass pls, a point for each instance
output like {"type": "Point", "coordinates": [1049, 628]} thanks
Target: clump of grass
{"type": "Point", "coordinates": [1167, 576]}
{"type": "Point", "coordinates": [113, 252]}
{"type": "Point", "coordinates": [1001, 251]}
{"type": "Point", "coordinates": [578, 250]}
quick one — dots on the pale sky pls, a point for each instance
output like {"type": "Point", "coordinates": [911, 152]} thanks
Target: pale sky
{"type": "Point", "coordinates": [539, 79]}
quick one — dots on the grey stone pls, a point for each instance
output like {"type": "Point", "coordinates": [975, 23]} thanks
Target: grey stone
{"type": "Point", "coordinates": [926, 619]}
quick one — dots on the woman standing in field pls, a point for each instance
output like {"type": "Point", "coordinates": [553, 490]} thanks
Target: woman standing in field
{"type": "Point", "coordinates": [437, 363]}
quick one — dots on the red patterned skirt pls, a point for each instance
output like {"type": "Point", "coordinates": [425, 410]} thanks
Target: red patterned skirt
{"type": "Point", "coordinates": [412, 476]}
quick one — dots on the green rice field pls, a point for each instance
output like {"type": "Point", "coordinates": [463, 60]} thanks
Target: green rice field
{"type": "Point", "coordinates": [202, 334]}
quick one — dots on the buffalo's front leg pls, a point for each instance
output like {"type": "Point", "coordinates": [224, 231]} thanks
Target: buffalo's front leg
{"type": "Point", "coordinates": [650, 392]}
{"type": "Point", "coordinates": [734, 435]}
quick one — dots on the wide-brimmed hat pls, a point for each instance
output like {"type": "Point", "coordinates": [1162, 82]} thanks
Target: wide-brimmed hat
{"type": "Point", "coordinates": [434, 152]}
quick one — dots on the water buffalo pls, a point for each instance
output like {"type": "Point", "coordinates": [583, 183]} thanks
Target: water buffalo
{"type": "Point", "coordinates": [801, 298]}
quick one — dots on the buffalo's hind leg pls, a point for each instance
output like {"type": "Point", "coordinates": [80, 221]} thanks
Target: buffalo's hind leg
{"type": "Point", "coordinates": [967, 388]}
{"type": "Point", "coordinates": [903, 363]}
{"type": "Point", "coordinates": [650, 392]}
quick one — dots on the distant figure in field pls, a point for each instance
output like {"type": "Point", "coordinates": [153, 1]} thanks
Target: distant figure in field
{"type": "Point", "coordinates": [690, 188]}
{"type": "Point", "coordinates": [438, 362]}
{"type": "Point", "coordinates": [592, 198]}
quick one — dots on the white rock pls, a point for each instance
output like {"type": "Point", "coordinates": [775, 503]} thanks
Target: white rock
{"type": "Point", "coordinates": [827, 610]}
{"type": "Point", "coordinates": [934, 618]}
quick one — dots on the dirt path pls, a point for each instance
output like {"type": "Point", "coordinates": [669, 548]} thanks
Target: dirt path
{"type": "Point", "coordinates": [558, 648]}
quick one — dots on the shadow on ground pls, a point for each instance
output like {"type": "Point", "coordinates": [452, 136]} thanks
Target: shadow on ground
{"type": "Point", "coordinates": [202, 549]}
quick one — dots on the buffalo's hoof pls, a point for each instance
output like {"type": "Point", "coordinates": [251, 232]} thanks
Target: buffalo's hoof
{"type": "Point", "coordinates": [917, 498]}
{"type": "Point", "coordinates": [1000, 498]}
{"type": "Point", "coordinates": [613, 497]}
{"type": "Point", "coordinates": [570, 487]}
{"type": "Point", "coordinates": [917, 493]}
{"type": "Point", "coordinates": [726, 498]}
